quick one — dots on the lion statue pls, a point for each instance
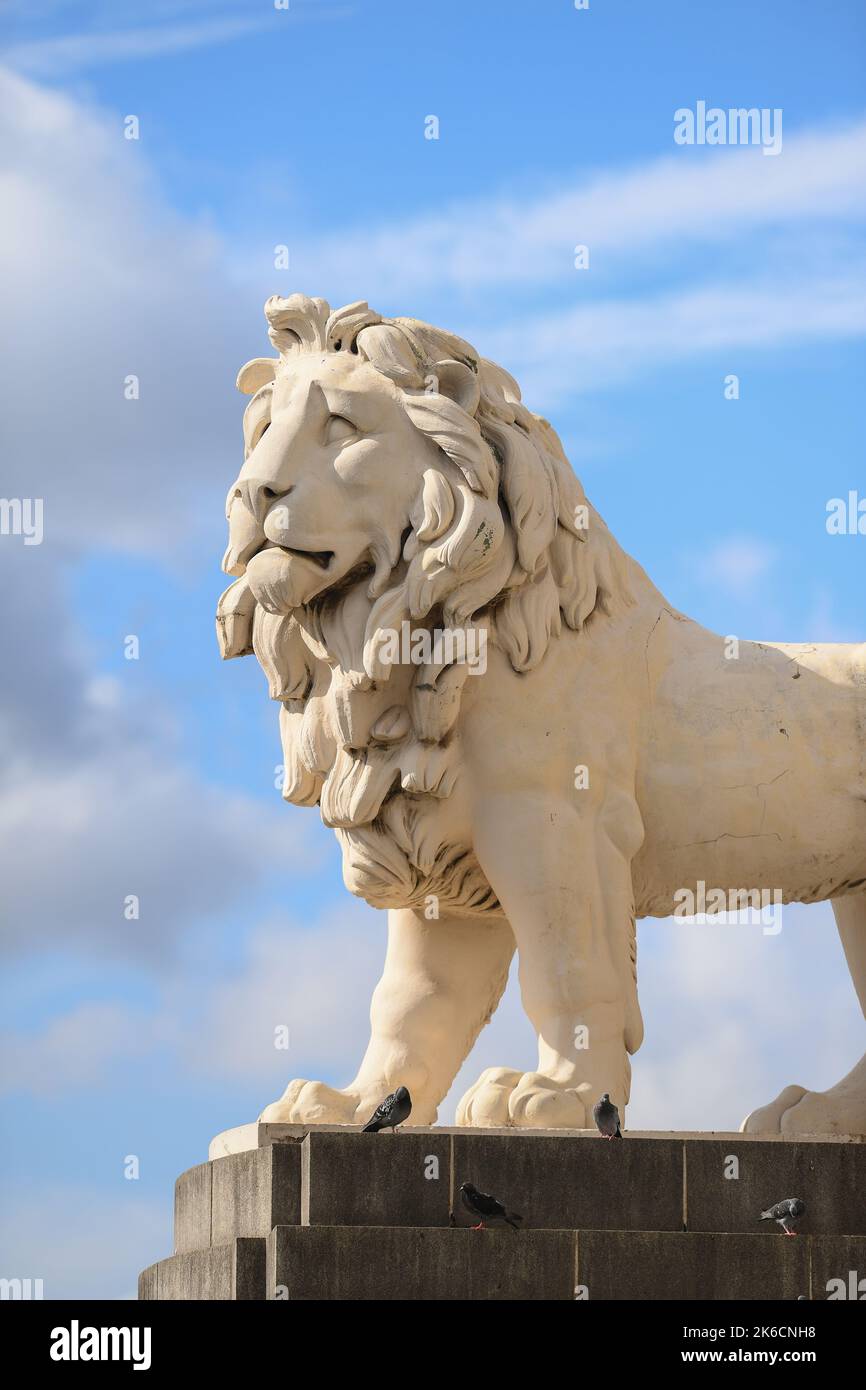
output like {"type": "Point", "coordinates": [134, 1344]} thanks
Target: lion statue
{"type": "Point", "coordinates": [605, 756]}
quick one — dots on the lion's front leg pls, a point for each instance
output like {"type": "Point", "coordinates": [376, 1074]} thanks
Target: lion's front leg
{"type": "Point", "coordinates": [441, 982]}
{"type": "Point", "coordinates": [566, 888]}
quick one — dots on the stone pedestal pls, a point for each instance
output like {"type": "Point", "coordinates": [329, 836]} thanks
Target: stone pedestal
{"type": "Point", "coordinates": [323, 1212]}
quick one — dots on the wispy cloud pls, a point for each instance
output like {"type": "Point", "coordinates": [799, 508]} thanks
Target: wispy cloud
{"type": "Point", "coordinates": [755, 289]}
{"type": "Point", "coordinates": [74, 52]}
{"type": "Point", "coordinates": [736, 564]}
{"type": "Point", "coordinates": [638, 212]}
{"type": "Point", "coordinates": [608, 341]}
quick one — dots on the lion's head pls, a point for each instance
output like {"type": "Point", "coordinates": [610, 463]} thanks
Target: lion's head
{"type": "Point", "coordinates": [393, 477]}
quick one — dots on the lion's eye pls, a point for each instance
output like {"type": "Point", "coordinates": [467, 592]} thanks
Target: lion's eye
{"type": "Point", "coordinates": [338, 428]}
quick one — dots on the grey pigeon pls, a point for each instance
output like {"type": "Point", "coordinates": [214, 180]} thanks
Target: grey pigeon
{"type": "Point", "coordinates": [392, 1112]}
{"type": "Point", "coordinates": [784, 1213]}
{"type": "Point", "coordinates": [606, 1117]}
{"type": "Point", "coordinates": [487, 1208]}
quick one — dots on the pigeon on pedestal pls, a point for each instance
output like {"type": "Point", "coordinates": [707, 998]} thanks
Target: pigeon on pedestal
{"type": "Point", "coordinates": [392, 1112]}
{"type": "Point", "coordinates": [487, 1207]}
{"type": "Point", "coordinates": [784, 1213]}
{"type": "Point", "coordinates": [606, 1117]}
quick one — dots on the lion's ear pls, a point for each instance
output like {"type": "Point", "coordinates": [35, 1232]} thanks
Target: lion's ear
{"type": "Point", "coordinates": [459, 383]}
{"type": "Point", "coordinates": [256, 374]}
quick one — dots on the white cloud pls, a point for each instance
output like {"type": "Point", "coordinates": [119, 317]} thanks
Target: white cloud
{"type": "Point", "coordinates": [186, 25]}
{"type": "Point", "coordinates": [316, 980]}
{"type": "Point", "coordinates": [662, 207]}
{"type": "Point", "coordinates": [77, 1049]}
{"type": "Point", "coordinates": [82, 1241]}
{"type": "Point", "coordinates": [73, 52]}
{"type": "Point", "coordinates": [103, 278]}
{"type": "Point", "coordinates": [736, 564]}
{"type": "Point", "coordinates": [593, 346]}
{"type": "Point", "coordinates": [127, 822]}
{"type": "Point", "coordinates": [220, 1021]}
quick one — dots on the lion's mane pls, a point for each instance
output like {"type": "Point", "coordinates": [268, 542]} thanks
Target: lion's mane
{"type": "Point", "coordinates": [504, 540]}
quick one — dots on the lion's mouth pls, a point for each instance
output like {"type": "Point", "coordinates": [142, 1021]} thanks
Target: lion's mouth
{"type": "Point", "coordinates": [322, 558]}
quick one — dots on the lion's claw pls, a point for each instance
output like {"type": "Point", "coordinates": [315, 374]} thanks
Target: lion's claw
{"type": "Point", "coordinates": [312, 1102]}
{"type": "Point", "coordinates": [798, 1111]}
{"type": "Point", "coordinates": [502, 1097]}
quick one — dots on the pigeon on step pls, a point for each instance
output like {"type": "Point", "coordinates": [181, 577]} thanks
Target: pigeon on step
{"type": "Point", "coordinates": [393, 1111]}
{"type": "Point", "coordinates": [606, 1117]}
{"type": "Point", "coordinates": [784, 1213]}
{"type": "Point", "coordinates": [487, 1208]}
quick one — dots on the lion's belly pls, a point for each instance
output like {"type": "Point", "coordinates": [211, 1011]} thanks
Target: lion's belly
{"type": "Point", "coordinates": [755, 777]}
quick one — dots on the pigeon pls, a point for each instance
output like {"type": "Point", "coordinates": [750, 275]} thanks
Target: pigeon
{"type": "Point", "coordinates": [606, 1117]}
{"type": "Point", "coordinates": [784, 1213]}
{"type": "Point", "coordinates": [392, 1112]}
{"type": "Point", "coordinates": [487, 1207]}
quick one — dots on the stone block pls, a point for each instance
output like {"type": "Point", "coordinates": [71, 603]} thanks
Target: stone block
{"type": "Point", "coordinates": [192, 1209]}
{"type": "Point", "coordinates": [665, 1265]}
{"type": "Point", "coordinates": [255, 1191]}
{"type": "Point", "coordinates": [341, 1263]}
{"type": "Point", "coordinates": [355, 1179]}
{"type": "Point", "coordinates": [224, 1273]}
{"type": "Point", "coordinates": [830, 1178]}
{"type": "Point", "coordinates": [575, 1182]}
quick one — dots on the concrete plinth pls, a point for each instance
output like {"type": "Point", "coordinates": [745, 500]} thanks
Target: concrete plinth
{"type": "Point", "coordinates": [324, 1212]}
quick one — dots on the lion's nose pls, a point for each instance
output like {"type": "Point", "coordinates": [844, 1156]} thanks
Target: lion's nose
{"type": "Point", "coordinates": [261, 496]}
{"type": "Point", "coordinates": [247, 506]}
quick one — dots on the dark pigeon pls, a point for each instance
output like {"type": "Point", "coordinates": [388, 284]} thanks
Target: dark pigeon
{"type": "Point", "coordinates": [606, 1117]}
{"type": "Point", "coordinates": [784, 1213]}
{"type": "Point", "coordinates": [487, 1208]}
{"type": "Point", "coordinates": [393, 1111]}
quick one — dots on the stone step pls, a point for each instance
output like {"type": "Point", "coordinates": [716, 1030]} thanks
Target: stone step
{"type": "Point", "coordinates": [339, 1263]}
{"type": "Point", "coordinates": [831, 1179]}
{"type": "Point", "coordinates": [246, 1194]}
{"type": "Point", "coordinates": [412, 1262]}
{"type": "Point", "coordinates": [235, 1271]}
{"type": "Point", "coordinates": [342, 1178]}
{"type": "Point", "coordinates": [418, 1263]}
{"type": "Point", "coordinates": [359, 1179]}
{"type": "Point", "coordinates": [636, 1184]}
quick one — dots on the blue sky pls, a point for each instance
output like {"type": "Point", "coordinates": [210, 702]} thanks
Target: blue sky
{"type": "Point", "coordinates": [154, 257]}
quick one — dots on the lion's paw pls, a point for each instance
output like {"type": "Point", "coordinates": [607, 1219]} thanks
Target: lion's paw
{"type": "Point", "coordinates": [798, 1111]}
{"type": "Point", "coordinates": [312, 1102]}
{"type": "Point", "coordinates": [502, 1097]}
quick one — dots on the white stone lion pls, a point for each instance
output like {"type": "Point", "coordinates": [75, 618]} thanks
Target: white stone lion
{"type": "Point", "coordinates": [613, 755]}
